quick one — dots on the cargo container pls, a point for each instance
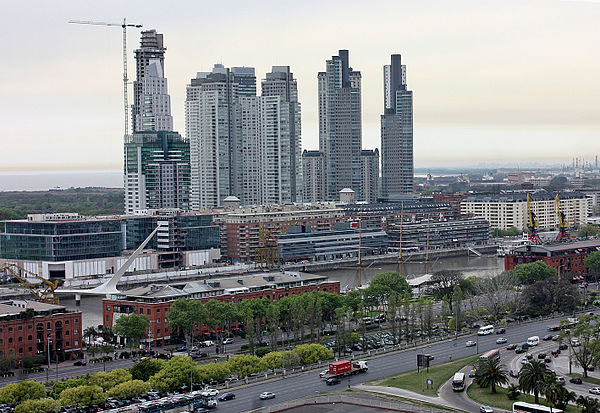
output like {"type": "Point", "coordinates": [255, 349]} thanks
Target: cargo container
{"type": "Point", "coordinates": [345, 368]}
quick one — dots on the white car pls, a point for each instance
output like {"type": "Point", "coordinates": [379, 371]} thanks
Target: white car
{"type": "Point", "coordinates": [470, 343]}
{"type": "Point", "coordinates": [575, 342]}
{"type": "Point", "coordinates": [228, 340]}
{"type": "Point", "coordinates": [595, 390]}
{"type": "Point", "coordinates": [210, 393]}
{"type": "Point", "coordinates": [323, 373]}
{"type": "Point", "coordinates": [524, 360]}
{"type": "Point", "coordinates": [486, 409]}
{"type": "Point", "coordinates": [501, 340]}
{"type": "Point", "coordinates": [267, 395]}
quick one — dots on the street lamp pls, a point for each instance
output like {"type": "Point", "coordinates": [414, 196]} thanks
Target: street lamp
{"type": "Point", "coordinates": [48, 369]}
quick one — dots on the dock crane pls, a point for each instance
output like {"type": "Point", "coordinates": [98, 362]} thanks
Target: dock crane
{"type": "Point", "coordinates": [123, 25]}
{"type": "Point", "coordinates": [532, 224]}
{"type": "Point", "coordinates": [563, 225]}
{"type": "Point", "coordinates": [43, 292]}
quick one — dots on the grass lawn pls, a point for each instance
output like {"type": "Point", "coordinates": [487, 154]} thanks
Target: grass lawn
{"type": "Point", "coordinates": [484, 396]}
{"type": "Point", "coordinates": [591, 380]}
{"type": "Point", "coordinates": [439, 373]}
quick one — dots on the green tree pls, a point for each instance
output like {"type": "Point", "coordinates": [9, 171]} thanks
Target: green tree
{"type": "Point", "coordinates": [273, 318]}
{"type": "Point", "coordinates": [490, 373]}
{"type": "Point", "coordinates": [511, 232]}
{"type": "Point", "coordinates": [547, 296]}
{"type": "Point", "coordinates": [587, 333]}
{"type": "Point", "coordinates": [312, 353]}
{"type": "Point", "coordinates": [588, 404]}
{"type": "Point", "coordinates": [38, 406]}
{"type": "Point", "coordinates": [174, 374]}
{"type": "Point", "coordinates": [90, 334]}
{"type": "Point", "coordinates": [133, 327]}
{"type": "Point", "coordinates": [184, 314]}
{"type": "Point", "coordinates": [129, 389]}
{"type": "Point", "coordinates": [143, 370]}
{"type": "Point", "coordinates": [6, 364]}
{"type": "Point", "coordinates": [457, 299]}
{"type": "Point", "coordinates": [513, 392]}
{"type": "Point", "coordinates": [592, 262]}
{"type": "Point", "coordinates": [290, 359]}
{"type": "Point", "coordinates": [59, 386]}
{"type": "Point", "coordinates": [273, 360]}
{"type": "Point", "coordinates": [14, 393]}
{"type": "Point", "coordinates": [244, 365]}
{"type": "Point", "coordinates": [531, 378]}
{"type": "Point", "coordinates": [587, 231]}
{"type": "Point", "coordinates": [551, 390]}
{"type": "Point", "coordinates": [108, 380]}
{"type": "Point", "coordinates": [384, 284]}
{"type": "Point", "coordinates": [535, 271]}
{"type": "Point", "coordinates": [82, 396]}
{"type": "Point", "coordinates": [211, 371]}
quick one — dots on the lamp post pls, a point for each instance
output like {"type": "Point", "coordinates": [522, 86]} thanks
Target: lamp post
{"type": "Point", "coordinates": [48, 369]}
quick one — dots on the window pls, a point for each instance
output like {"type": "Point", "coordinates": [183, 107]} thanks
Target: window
{"type": "Point", "coordinates": [66, 322]}
{"type": "Point", "coordinates": [67, 333]}
{"type": "Point", "coordinates": [108, 308]}
{"type": "Point", "coordinates": [76, 343]}
{"type": "Point", "coordinates": [158, 331]}
{"type": "Point", "coordinates": [29, 337]}
{"type": "Point", "coordinates": [30, 349]}
{"type": "Point", "coordinates": [20, 339]}
{"type": "Point", "coordinates": [10, 340]}
{"type": "Point", "coordinates": [10, 329]}
{"type": "Point", "coordinates": [21, 350]}
{"type": "Point", "coordinates": [141, 311]}
{"type": "Point", "coordinates": [20, 328]}
{"type": "Point", "coordinates": [68, 344]}
{"type": "Point", "coordinates": [107, 318]}
{"type": "Point", "coordinates": [29, 327]}
{"type": "Point", "coordinates": [76, 332]}
{"type": "Point", "coordinates": [148, 311]}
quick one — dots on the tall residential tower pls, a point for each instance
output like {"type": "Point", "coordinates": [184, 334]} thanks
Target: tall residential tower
{"type": "Point", "coordinates": [396, 132]}
{"type": "Point", "coordinates": [340, 125]}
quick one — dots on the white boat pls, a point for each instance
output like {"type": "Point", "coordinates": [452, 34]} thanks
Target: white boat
{"type": "Point", "coordinates": [508, 246]}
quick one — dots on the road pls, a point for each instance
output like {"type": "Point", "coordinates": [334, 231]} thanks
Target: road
{"type": "Point", "coordinates": [300, 386]}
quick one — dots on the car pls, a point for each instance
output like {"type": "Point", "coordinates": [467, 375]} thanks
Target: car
{"type": "Point", "coordinates": [529, 356]}
{"type": "Point", "coordinates": [332, 380]}
{"type": "Point", "coordinates": [79, 363]}
{"type": "Point", "coordinates": [511, 346]}
{"type": "Point", "coordinates": [519, 349]}
{"type": "Point", "coordinates": [228, 340]}
{"type": "Point", "coordinates": [486, 409]}
{"type": "Point", "coordinates": [501, 330]}
{"type": "Point", "coordinates": [547, 337]}
{"type": "Point", "coordinates": [575, 342]}
{"type": "Point", "coordinates": [181, 348]}
{"type": "Point", "coordinates": [514, 373]}
{"type": "Point", "coordinates": [548, 360]}
{"type": "Point", "coordinates": [541, 356]}
{"type": "Point", "coordinates": [501, 340]}
{"type": "Point", "coordinates": [555, 353]}
{"type": "Point", "coordinates": [563, 347]}
{"type": "Point", "coordinates": [201, 410]}
{"type": "Point", "coordinates": [556, 337]}
{"type": "Point", "coordinates": [323, 373]}
{"type": "Point", "coordinates": [560, 380]}
{"type": "Point", "coordinates": [524, 360]}
{"type": "Point", "coordinates": [576, 380]}
{"type": "Point", "coordinates": [470, 343]}
{"type": "Point", "coordinates": [595, 390]}
{"type": "Point", "coordinates": [226, 396]}
{"type": "Point", "coordinates": [266, 395]}
{"type": "Point", "coordinates": [591, 368]}
{"type": "Point", "coordinates": [473, 372]}
{"type": "Point", "coordinates": [210, 392]}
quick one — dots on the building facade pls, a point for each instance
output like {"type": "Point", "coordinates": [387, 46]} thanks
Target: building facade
{"type": "Point", "coordinates": [340, 125]}
{"type": "Point", "coordinates": [396, 132]}
{"type": "Point", "coordinates": [313, 170]}
{"type": "Point", "coordinates": [508, 210]}
{"type": "Point", "coordinates": [451, 233]}
{"type": "Point", "coordinates": [29, 328]}
{"type": "Point", "coordinates": [154, 301]}
{"type": "Point", "coordinates": [157, 171]}
{"type": "Point", "coordinates": [369, 165]}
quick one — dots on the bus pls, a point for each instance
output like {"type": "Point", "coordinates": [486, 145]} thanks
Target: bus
{"type": "Point", "coordinates": [490, 355]}
{"type": "Point", "coordinates": [486, 330]}
{"type": "Point", "coordinates": [458, 382]}
{"type": "Point", "coordinates": [522, 407]}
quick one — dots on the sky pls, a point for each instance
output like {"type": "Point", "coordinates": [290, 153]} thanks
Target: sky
{"type": "Point", "coordinates": [493, 81]}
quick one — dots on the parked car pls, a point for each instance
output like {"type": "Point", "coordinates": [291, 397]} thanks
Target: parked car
{"type": "Point", "coordinates": [576, 380]}
{"type": "Point", "coordinates": [210, 393]}
{"type": "Point", "coordinates": [333, 380]}
{"type": "Point", "coordinates": [548, 360]}
{"type": "Point", "coordinates": [501, 340]}
{"type": "Point", "coordinates": [266, 395]}
{"type": "Point", "coordinates": [470, 343]}
{"type": "Point", "coordinates": [226, 396]}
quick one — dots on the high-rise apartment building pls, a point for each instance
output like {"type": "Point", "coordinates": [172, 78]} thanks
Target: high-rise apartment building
{"type": "Point", "coordinates": [313, 175]}
{"type": "Point", "coordinates": [340, 126]}
{"type": "Point", "coordinates": [396, 132]}
{"type": "Point", "coordinates": [151, 110]}
{"type": "Point", "coordinates": [370, 175]}
{"type": "Point", "coordinates": [242, 144]}
{"type": "Point", "coordinates": [157, 171]}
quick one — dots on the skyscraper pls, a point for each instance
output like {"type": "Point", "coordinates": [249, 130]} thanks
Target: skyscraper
{"type": "Point", "coordinates": [370, 175]}
{"type": "Point", "coordinates": [151, 110]}
{"type": "Point", "coordinates": [313, 176]}
{"type": "Point", "coordinates": [340, 125]}
{"type": "Point", "coordinates": [396, 132]}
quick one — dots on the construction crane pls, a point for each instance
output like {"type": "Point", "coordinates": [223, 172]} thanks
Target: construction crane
{"type": "Point", "coordinates": [267, 252]}
{"type": "Point", "coordinates": [43, 292]}
{"type": "Point", "coordinates": [123, 25]}
{"type": "Point", "coordinates": [563, 225]}
{"type": "Point", "coordinates": [532, 224]}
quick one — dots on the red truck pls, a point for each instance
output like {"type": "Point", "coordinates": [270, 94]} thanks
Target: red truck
{"type": "Point", "coordinates": [345, 368]}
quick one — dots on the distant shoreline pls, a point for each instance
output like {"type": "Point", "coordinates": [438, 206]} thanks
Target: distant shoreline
{"type": "Point", "coordinates": [45, 181]}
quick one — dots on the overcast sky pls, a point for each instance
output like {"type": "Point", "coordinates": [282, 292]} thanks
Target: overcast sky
{"type": "Point", "coordinates": [493, 81]}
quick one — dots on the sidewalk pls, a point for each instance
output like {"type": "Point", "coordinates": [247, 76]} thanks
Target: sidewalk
{"type": "Point", "coordinates": [395, 391]}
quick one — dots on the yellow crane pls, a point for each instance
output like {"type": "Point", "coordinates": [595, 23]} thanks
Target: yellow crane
{"type": "Point", "coordinates": [532, 224]}
{"type": "Point", "coordinates": [43, 292]}
{"type": "Point", "coordinates": [563, 225]}
{"type": "Point", "coordinates": [267, 251]}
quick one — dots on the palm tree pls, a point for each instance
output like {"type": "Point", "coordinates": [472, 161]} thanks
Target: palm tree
{"type": "Point", "coordinates": [551, 390]}
{"type": "Point", "coordinates": [588, 404]}
{"type": "Point", "coordinates": [531, 378]}
{"type": "Point", "coordinates": [90, 334]}
{"type": "Point", "coordinates": [491, 373]}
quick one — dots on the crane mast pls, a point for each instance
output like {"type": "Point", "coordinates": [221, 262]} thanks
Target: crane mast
{"type": "Point", "coordinates": [123, 25]}
{"type": "Point", "coordinates": [532, 224]}
{"type": "Point", "coordinates": [563, 225]}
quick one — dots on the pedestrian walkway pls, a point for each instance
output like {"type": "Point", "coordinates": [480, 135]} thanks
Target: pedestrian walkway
{"type": "Point", "coordinates": [395, 391]}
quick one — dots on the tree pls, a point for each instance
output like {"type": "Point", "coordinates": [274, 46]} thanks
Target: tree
{"type": "Point", "coordinates": [496, 292]}
{"type": "Point", "coordinates": [290, 359]}
{"type": "Point", "coordinates": [133, 327]}
{"type": "Point", "coordinates": [143, 370]}
{"type": "Point", "coordinates": [535, 271]}
{"type": "Point", "coordinates": [129, 389]}
{"type": "Point", "coordinates": [513, 392]}
{"type": "Point", "coordinates": [551, 390]}
{"type": "Point", "coordinates": [312, 353]}
{"type": "Point", "coordinates": [592, 262]}
{"type": "Point", "coordinates": [211, 371]}
{"type": "Point", "coordinates": [389, 282]}
{"type": "Point", "coordinates": [59, 386]}
{"type": "Point", "coordinates": [457, 299]}
{"type": "Point", "coordinates": [90, 334]}
{"type": "Point", "coordinates": [443, 283]}
{"type": "Point", "coordinates": [38, 406]}
{"type": "Point", "coordinates": [14, 393]}
{"type": "Point", "coordinates": [174, 374]}
{"type": "Point", "coordinates": [108, 380]}
{"type": "Point", "coordinates": [531, 378]}
{"type": "Point", "coordinates": [588, 404]}
{"type": "Point", "coordinates": [558, 183]}
{"type": "Point", "coordinates": [547, 296]}
{"type": "Point", "coordinates": [6, 364]}
{"type": "Point", "coordinates": [273, 360]}
{"type": "Point", "coordinates": [587, 333]}
{"type": "Point", "coordinates": [490, 373]}
{"type": "Point", "coordinates": [245, 364]}
{"type": "Point", "coordinates": [587, 231]}
{"type": "Point", "coordinates": [82, 396]}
